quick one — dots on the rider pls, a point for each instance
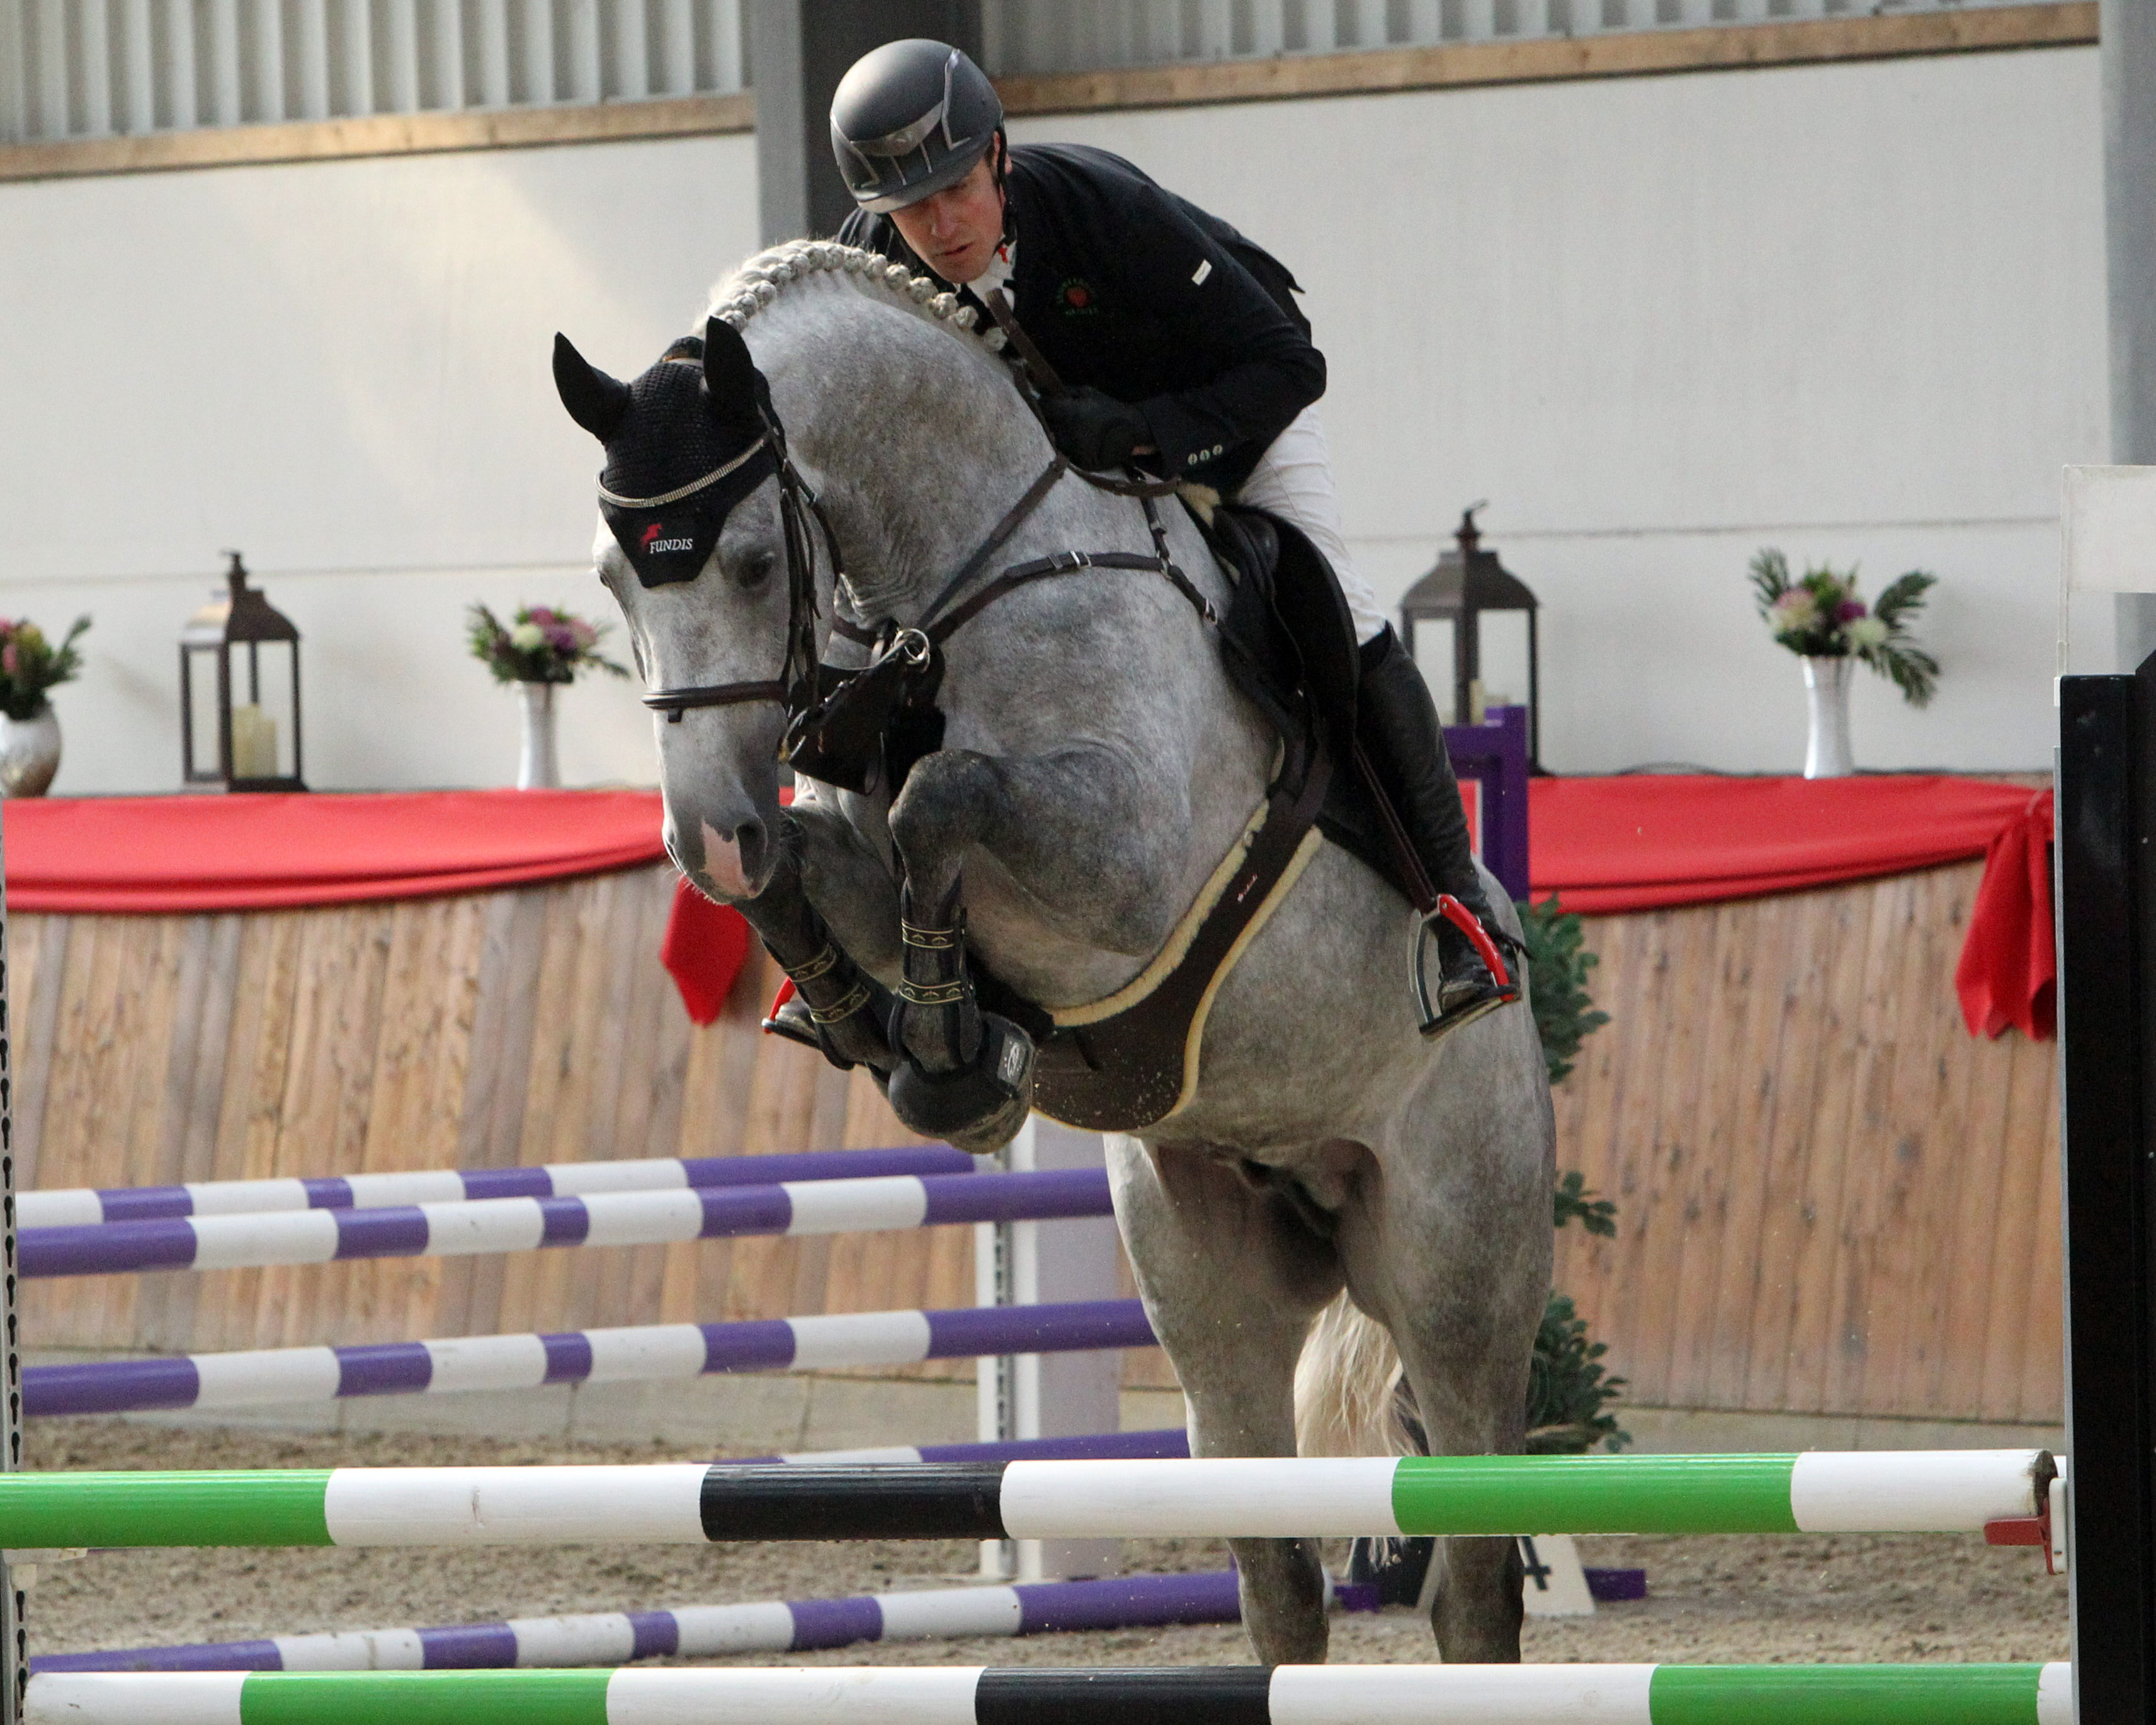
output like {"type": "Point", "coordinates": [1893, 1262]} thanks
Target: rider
{"type": "Point", "coordinates": [1178, 347]}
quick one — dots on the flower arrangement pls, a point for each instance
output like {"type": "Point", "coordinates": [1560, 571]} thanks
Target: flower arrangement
{"type": "Point", "coordinates": [1818, 616]}
{"type": "Point", "coordinates": [545, 644]}
{"type": "Point", "coordinates": [30, 664]}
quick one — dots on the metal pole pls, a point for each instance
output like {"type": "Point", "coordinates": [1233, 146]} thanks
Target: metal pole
{"type": "Point", "coordinates": [2127, 28]}
{"type": "Point", "coordinates": [2106, 876]}
{"type": "Point", "coordinates": [14, 1650]}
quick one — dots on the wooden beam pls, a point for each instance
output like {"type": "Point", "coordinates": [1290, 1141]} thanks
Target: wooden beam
{"type": "Point", "coordinates": [380, 135]}
{"type": "Point", "coordinates": [1544, 60]}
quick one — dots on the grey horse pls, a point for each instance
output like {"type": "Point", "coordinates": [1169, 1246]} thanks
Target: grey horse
{"type": "Point", "coordinates": [1096, 766]}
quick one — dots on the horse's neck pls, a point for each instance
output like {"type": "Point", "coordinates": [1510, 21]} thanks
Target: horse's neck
{"type": "Point", "coordinates": [918, 469]}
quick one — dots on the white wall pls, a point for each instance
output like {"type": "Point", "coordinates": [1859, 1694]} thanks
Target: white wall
{"type": "Point", "coordinates": [342, 369]}
{"type": "Point", "coordinates": [1853, 311]}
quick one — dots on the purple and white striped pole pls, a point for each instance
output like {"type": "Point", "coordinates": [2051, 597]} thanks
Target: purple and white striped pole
{"type": "Point", "coordinates": [516, 1224]}
{"type": "Point", "coordinates": [649, 1351]}
{"type": "Point", "coordinates": [86, 1206]}
{"type": "Point", "coordinates": [617, 1637]}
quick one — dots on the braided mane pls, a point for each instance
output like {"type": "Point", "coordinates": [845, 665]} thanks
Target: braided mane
{"type": "Point", "coordinates": [759, 281]}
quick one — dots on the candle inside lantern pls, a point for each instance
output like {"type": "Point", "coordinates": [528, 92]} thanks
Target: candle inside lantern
{"type": "Point", "coordinates": [253, 743]}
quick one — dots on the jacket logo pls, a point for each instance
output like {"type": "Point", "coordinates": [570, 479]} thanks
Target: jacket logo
{"type": "Point", "coordinates": [1075, 297]}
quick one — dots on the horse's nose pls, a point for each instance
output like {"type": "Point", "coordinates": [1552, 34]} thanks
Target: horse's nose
{"type": "Point", "coordinates": [737, 863]}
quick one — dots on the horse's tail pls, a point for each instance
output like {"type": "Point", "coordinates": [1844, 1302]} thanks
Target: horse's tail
{"type": "Point", "coordinates": [1348, 1388]}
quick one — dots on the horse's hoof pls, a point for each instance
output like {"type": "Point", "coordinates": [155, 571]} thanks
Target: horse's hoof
{"type": "Point", "coordinates": [979, 1109]}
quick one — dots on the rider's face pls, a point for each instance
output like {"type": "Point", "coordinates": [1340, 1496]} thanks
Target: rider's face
{"type": "Point", "coordinates": [957, 231]}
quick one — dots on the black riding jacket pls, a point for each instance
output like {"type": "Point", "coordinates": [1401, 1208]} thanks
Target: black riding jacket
{"type": "Point", "coordinates": [1125, 286]}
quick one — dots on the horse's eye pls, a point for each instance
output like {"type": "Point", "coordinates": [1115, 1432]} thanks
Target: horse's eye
{"type": "Point", "coordinates": [755, 569]}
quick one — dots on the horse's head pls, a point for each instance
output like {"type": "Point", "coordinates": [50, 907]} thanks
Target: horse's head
{"type": "Point", "coordinates": [692, 549]}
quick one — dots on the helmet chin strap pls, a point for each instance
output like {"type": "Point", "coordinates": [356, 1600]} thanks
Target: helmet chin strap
{"type": "Point", "coordinates": [999, 164]}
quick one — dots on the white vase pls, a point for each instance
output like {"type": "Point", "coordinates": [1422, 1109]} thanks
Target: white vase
{"type": "Point", "coordinates": [537, 768]}
{"type": "Point", "coordinates": [1826, 689]}
{"type": "Point", "coordinates": [29, 752]}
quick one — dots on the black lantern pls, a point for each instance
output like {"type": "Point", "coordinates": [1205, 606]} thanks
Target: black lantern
{"type": "Point", "coordinates": [1468, 585]}
{"type": "Point", "coordinates": [240, 686]}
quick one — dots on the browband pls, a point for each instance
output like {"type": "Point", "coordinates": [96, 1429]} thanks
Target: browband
{"type": "Point", "coordinates": [690, 490]}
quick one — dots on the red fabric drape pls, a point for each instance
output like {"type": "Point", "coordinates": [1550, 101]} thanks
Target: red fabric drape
{"type": "Point", "coordinates": [220, 853]}
{"type": "Point", "coordinates": [1607, 846]}
{"type": "Point", "coordinates": [706, 946]}
{"type": "Point", "coordinates": [2008, 977]}
{"type": "Point", "coordinates": [1650, 839]}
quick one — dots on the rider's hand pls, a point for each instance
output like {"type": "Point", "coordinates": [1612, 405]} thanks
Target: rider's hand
{"type": "Point", "coordinates": [1094, 430]}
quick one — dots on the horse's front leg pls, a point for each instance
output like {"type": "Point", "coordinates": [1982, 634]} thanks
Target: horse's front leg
{"type": "Point", "coordinates": [1053, 823]}
{"type": "Point", "coordinates": [847, 1010]}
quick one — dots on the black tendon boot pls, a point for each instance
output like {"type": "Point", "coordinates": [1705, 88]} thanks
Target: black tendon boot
{"type": "Point", "coordinates": [966, 1075]}
{"type": "Point", "coordinates": [1397, 725]}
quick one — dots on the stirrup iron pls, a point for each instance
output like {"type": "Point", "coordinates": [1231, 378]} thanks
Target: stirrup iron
{"type": "Point", "coordinates": [1439, 1019]}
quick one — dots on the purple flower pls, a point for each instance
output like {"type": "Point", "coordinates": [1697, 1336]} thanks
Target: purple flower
{"type": "Point", "coordinates": [585, 635]}
{"type": "Point", "coordinates": [1849, 610]}
{"type": "Point", "coordinates": [8, 660]}
{"type": "Point", "coordinates": [541, 615]}
{"type": "Point", "coordinates": [561, 639]}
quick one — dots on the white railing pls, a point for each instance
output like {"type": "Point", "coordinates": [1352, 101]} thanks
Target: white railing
{"type": "Point", "coordinates": [1084, 35]}
{"type": "Point", "coordinates": [74, 69]}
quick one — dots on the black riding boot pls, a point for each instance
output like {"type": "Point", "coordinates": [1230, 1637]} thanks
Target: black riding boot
{"type": "Point", "coordinates": [1398, 727]}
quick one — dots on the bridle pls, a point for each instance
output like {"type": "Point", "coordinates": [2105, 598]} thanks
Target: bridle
{"type": "Point", "coordinates": [796, 505]}
{"type": "Point", "coordinates": [804, 684]}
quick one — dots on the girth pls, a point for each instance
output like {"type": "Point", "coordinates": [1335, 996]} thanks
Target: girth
{"type": "Point", "coordinates": [1131, 1061]}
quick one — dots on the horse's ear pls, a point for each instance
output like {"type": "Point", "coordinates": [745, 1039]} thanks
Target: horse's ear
{"type": "Point", "coordinates": [594, 400]}
{"type": "Point", "coordinates": [731, 378]}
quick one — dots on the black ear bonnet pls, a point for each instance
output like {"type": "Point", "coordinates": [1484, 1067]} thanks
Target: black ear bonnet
{"type": "Point", "coordinates": [685, 442]}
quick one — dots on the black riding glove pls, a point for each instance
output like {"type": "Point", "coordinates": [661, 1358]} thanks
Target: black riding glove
{"type": "Point", "coordinates": [1094, 430]}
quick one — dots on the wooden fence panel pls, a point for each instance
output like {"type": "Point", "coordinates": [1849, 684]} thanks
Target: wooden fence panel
{"type": "Point", "coordinates": [1830, 1198]}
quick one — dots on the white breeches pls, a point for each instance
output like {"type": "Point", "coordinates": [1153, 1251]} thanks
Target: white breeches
{"type": "Point", "coordinates": [1294, 478]}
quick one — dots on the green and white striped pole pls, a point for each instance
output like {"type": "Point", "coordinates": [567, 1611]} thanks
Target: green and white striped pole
{"type": "Point", "coordinates": [1880, 1491]}
{"type": "Point", "coordinates": [946, 1694]}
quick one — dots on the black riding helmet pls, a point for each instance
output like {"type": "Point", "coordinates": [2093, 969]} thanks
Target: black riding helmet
{"type": "Point", "coordinates": [908, 119]}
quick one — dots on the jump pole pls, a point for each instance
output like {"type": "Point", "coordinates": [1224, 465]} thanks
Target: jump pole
{"type": "Point", "coordinates": [81, 1206]}
{"type": "Point", "coordinates": [461, 1227]}
{"type": "Point", "coordinates": [1034, 1695]}
{"type": "Point", "coordinates": [1875, 1492]}
{"type": "Point", "coordinates": [644, 1352]}
{"type": "Point", "coordinates": [612, 1638]}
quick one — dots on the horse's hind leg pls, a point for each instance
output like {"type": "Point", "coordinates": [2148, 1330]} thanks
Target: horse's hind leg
{"type": "Point", "coordinates": [1231, 1281]}
{"type": "Point", "coordinates": [1456, 1260]}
